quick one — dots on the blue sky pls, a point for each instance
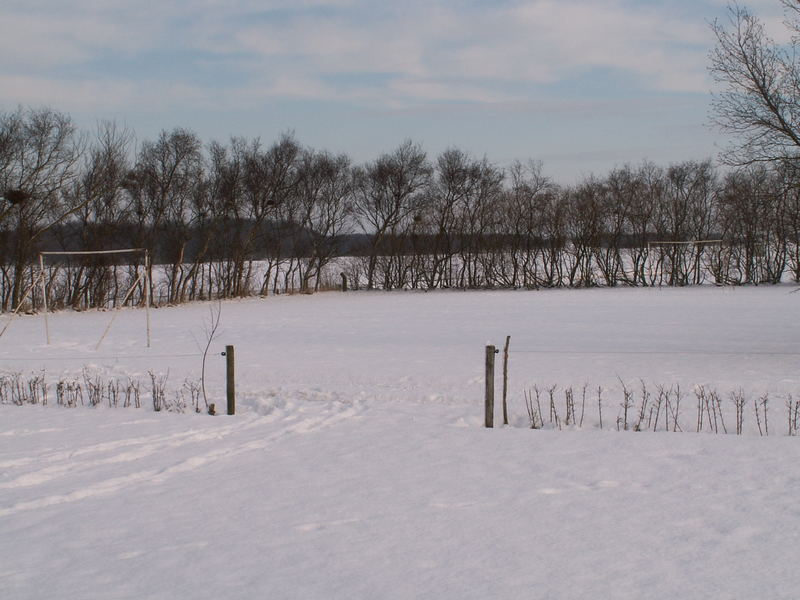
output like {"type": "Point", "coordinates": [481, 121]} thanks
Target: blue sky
{"type": "Point", "coordinates": [581, 85]}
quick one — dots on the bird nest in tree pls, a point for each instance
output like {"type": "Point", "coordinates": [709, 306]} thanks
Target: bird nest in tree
{"type": "Point", "coordinates": [16, 196]}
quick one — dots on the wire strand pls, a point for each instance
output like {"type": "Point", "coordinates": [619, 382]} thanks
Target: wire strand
{"type": "Point", "coordinates": [652, 352]}
{"type": "Point", "coordinates": [115, 357]}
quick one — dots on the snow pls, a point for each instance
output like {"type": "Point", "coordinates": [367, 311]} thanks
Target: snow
{"type": "Point", "coordinates": [357, 465]}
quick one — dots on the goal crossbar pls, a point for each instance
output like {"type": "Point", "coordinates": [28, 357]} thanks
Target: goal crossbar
{"type": "Point", "coordinates": [84, 252]}
{"type": "Point", "coordinates": [686, 242]}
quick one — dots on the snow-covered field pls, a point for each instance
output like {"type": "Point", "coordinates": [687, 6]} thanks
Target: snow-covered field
{"type": "Point", "coordinates": [357, 465]}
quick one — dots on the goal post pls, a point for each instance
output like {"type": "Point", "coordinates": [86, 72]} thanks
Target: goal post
{"type": "Point", "coordinates": [144, 278]}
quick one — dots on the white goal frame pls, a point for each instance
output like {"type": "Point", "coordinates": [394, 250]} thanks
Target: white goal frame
{"type": "Point", "coordinates": [682, 243]}
{"type": "Point", "coordinates": [658, 243]}
{"type": "Point", "coordinates": [144, 278]}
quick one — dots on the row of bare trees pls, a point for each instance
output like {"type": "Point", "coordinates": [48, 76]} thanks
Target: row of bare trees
{"type": "Point", "coordinates": [466, 223]}
{"type": "Point", "coordinates": [227, 220]}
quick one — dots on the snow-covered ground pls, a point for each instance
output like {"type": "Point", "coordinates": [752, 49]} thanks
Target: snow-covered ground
{"type": "Point", "coordinates": [357, 465]}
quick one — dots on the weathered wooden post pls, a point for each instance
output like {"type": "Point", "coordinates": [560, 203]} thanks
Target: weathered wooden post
{"type": "Point", "coordinates": [505, 380]}
{"type": "Point", "coordinates": [490, 352]}
{"type": "Point", "coordinates": [148, 283]}
{"type": "Point", "coordinates": [44, 298]}
{"type": "Point", "coordinates": [230, 379]}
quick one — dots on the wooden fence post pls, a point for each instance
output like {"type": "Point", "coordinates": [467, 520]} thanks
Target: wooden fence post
{"type": "Point", "coordinates": [490, 352]}
{"type": "Point", "coordinates": [44, 298]}
{"type": "Point", "coordinates": [230, 379]}
{"type": "Point", "coordinates": [505, 380]}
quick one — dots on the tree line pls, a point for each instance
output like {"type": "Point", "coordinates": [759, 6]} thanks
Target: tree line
{"type": "Point", "coordinates": [244, 217]}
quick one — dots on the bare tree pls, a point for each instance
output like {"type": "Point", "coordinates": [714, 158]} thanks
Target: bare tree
{"type": "Point", "coordinates": [388, 192]}
{"type": "Point", "coordinates": [685, 214]}
{"type": "Point", "coordinates": [325, 198]}
{"type": "Point", "coordinates": [253, 202]}
{"type": "Point", "coordinates": [752, 210]}
{"type": "Point", "coordinates": [525, 210]}
{"type": "Point", "coordinates": [584, 225]}
{"type": "Point", "coordinates": [39, 155]}
{"type": "Point", "coordinates": [760, 98]}
{"type": "Point", "coordinates": [104, 205]}
{"type": "Point", "coordinates": [163, 185]}
{"type": "Point", "coordinates": [228, 226]}
{"type": "Point", "coordinates": [643, 192]}
{"type": "Point", "coordinates": [272, 178]}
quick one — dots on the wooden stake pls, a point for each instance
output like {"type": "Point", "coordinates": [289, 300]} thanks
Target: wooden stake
{"type": "Point", "coordinates": [490, 352]}
{"type": "Point", "coordinates": [230, 379]}
{"type": "Point", "coordinates": [44, 299]}
{"type": "Point", "coordinates": [148, 280]}
{"type": "Point", "coordinates": [505, 380]}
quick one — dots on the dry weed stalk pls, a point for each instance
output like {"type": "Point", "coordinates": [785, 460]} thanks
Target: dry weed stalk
{"type": "Point", "coordinates": [627, 403]}
{"type": "Point", "coordinates": [534, 410]}
{"type": "Point", "coordinates": [569, 399]}
{"type": "Point", "coordinates": [645, 399]}
{"type": "Point", "coordinates": [793, 410]}
{"type": "Point", "coordinates": [158, 389]}
{"type": "Point", "coordinates": [738, 398]}
{"type": "Point", "coordinates": [600, 404]}
{"type": "Point", "coordinates": [583, 403]}
{"type": "Point", "coordinates": [554, 418]}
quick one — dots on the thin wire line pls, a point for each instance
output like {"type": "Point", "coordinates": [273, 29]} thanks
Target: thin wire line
{"type": "Point", "coordinates": [698, 352]}
{"type": "Point", "coordinates": [116, 357]}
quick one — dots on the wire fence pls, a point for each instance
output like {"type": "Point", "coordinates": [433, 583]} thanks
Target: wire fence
{"type": "Point", "coordinates": [96, 357]}
{"type": "Point", "coordinates": [653, 352]}
{"type": "Point", "coordinates": [647, 405]}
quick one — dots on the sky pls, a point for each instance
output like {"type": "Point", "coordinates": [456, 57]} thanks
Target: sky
{"type": "Point", "coordinates": [582, 86]}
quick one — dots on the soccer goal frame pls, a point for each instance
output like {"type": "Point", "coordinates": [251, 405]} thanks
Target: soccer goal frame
{"type": "Point", "coordinates": [665, 243]}
{"type": "Point", "coordinates": [144, 278]}
{"type": "Point", "coordinates": [682, 243]}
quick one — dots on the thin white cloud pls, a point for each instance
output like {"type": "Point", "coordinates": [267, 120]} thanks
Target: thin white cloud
{"type": "Point", "coordinates": [378, 53]}
{"type": "Point", "coordinates": [527, 43]}
{"type": "Point", "coordinates": [435, 90]}
{"type": "Point", "coordinates": [99, 96]}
